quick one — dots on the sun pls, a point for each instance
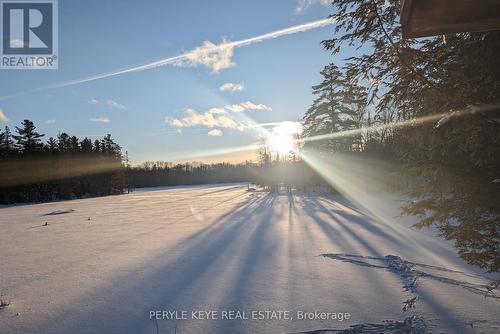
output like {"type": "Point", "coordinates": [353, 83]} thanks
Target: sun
{"type": "Point", "coordinates": [282, 139]}
{"type": "Point", "coordinates": [281, 143]}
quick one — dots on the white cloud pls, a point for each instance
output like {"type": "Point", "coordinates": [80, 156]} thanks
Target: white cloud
{"type": "Point", "coordinates": [235, 108]}
{"type": "Point", "coordinates": [241, 107]}
{"type": "Point", "coordinates": [215, 133]}
{"type": "Point", "coordinates": [3, 117]}
{"type": "Point", "coordinates": [304, 4]}
{"type": "Point", "coordinates": [99, 119]}
{"type": "Point", "coordinates": [50, 121]}
{"type": "Point", "coordinates": [208, 119]}
{"type": "Point", "coordinates": [115, 105]}
{"type": "Point", "coordinates": [253, 106]}
{"type": "Point", "coordinates": [176, 123]}
{"type": "Point", "coordinates": [215, 117]}
{"type": "Point", "coordinates": [217, 57]}
{"type": "Point", "coordinates": [232, 87]}
{"type": "Point", "coordinates": [93, 100]}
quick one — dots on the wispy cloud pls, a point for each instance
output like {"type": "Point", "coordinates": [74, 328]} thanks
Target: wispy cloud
{"type": "Point", "coordinates": [115, 105]}
{"type": "Point", "coordinates": [217, 57]}
{"type": "Point", "coordinates": [215, 117]}
{"type": "Point", "coordinates": [93, 100]}
{"type": "Point", "coordinates": [50, 121]}
{"type": "Point", "coordinates": [216, 111]}
{"type": "Point", "coordinates": [232, 87]}
{"type": "Point", "coordinates": [214, 56]}
{"type": "Point", "coordinates": [304, 4]}
{"type": "Point", "coordinates": [3, 117]}
{"type": "Point", "coordinates": [99, 119]}
{"type": "Point", "coordinates": [243, 106]}
{"type": "Point", "coordinates": [215, 133]}
{"type": "Point", "coordinates": [209, 119]}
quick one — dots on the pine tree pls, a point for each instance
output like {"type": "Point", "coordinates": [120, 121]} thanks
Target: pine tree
{"type": "Point", "coordinates": [28, 140]}
{"type": "Point", "coordinates": [86, 145]}
{"type": "Point", "coordinates": [7, 144]}
{"type": "Point", "coordinates": [339, 106]}
{"type": "Point", "coordinates": [109, 146]}
{"type": "Point", "coordinates": [63, 142]}
{"type": "Point", "coordinates": [414, 78]}
{"type": "Point", "coordinates": [51, 145]}
{"type": "Point", "coordinates": [69, 168]}
{"type": "Point", "coordinates": [74, 144]}
{"type": "Point", "coordinates": [97, 146]}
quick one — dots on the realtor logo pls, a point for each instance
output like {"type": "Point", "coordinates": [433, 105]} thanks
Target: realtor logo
{"type": "Point", "coordinates": [29, 34]}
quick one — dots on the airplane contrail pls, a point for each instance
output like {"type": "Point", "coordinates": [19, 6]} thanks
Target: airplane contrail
{"type": "Point", "coordinates": [286, 31]}
{"type": "Point", "coordinates": [186, 57]}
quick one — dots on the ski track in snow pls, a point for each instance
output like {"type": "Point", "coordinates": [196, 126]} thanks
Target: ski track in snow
{"type": "Point", "coordinates": [100, 265]}
{"type": "Point", "coordinates": [410, 325]}
{"type": "Point", "coordinates": [409, 273]}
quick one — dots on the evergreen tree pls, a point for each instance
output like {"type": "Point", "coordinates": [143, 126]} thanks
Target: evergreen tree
{"type": "Point", "coordinates": [28, 140]}
{"type": "Point", "coordinates": [109, 146]}
{"type": "Point", "coordinates": [62, 168]}
{"type": "Point", "coordinates": [86, 145]}
{"type": "Point", "coordinates": [74, 144]}
{"type": "Point", "coordinates": [6, 143]}
{"type": "Point", "coordinates": [339, 106]}
{"type": "Point", "coordinates": [63, 142]}
{"type": "Point", "coordinates": [407, 79]}
{"type": "Point", "coordinates": [97, 146]}
{"type": "Point", "coordinates": [51, 145]}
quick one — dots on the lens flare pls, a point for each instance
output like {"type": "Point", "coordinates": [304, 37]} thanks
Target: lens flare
{"type": "Point", "coordinates": [282, 139]}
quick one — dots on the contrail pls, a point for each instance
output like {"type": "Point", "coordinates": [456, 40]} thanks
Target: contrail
{"type": "Point", "coordinates": [183, 58]}
{"type": "Point", "coordinates": [286, 31]}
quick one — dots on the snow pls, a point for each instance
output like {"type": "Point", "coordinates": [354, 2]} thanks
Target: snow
{"type": "Point", "coordinates": [59, 212]}
{"type": "Point", "coordinates": [106, 263]}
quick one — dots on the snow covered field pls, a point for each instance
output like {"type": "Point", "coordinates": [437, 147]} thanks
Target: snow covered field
{"type": "Point", "coordinates": [103, 265]}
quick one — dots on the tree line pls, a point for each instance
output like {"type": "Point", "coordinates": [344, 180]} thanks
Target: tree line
{"type": "Point", "coordinates": [65, 167]}
{"type": "Point", "coordinates": [161, 173]}
{"type": "Point", "coordinates": [446, 92]}
{"type": "Point", "coordinates": [268, 173]}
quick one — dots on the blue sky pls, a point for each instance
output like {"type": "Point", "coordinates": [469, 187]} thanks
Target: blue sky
{"type": "Point", "coordinates": [167, 112]}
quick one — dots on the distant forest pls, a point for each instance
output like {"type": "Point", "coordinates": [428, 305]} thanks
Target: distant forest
{"type": "Point", "coordinates": [59, 168]}
{"type": "Point", "coordinates": [67, 167]}
{"type": "Point", "coordinates": [271, 174]}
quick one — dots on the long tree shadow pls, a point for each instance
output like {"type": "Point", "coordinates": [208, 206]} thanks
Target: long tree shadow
{"type": "Point", "coordinates": [161, 283]}
{"type": "Point", "coordinates": [360, 219]}
{"type": "Point", "coordinates": [251, 268]}
{"type": "Point", "coordinates": [313, 207]}
{"type": "Point", "coordinates": [366, 214]}
{"type": "Point", "coordinates": [438, 308]}
{"type": "Point", "coordinates": [399, 238]}
{"type": "Point", "coordinates": [240, 207]}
